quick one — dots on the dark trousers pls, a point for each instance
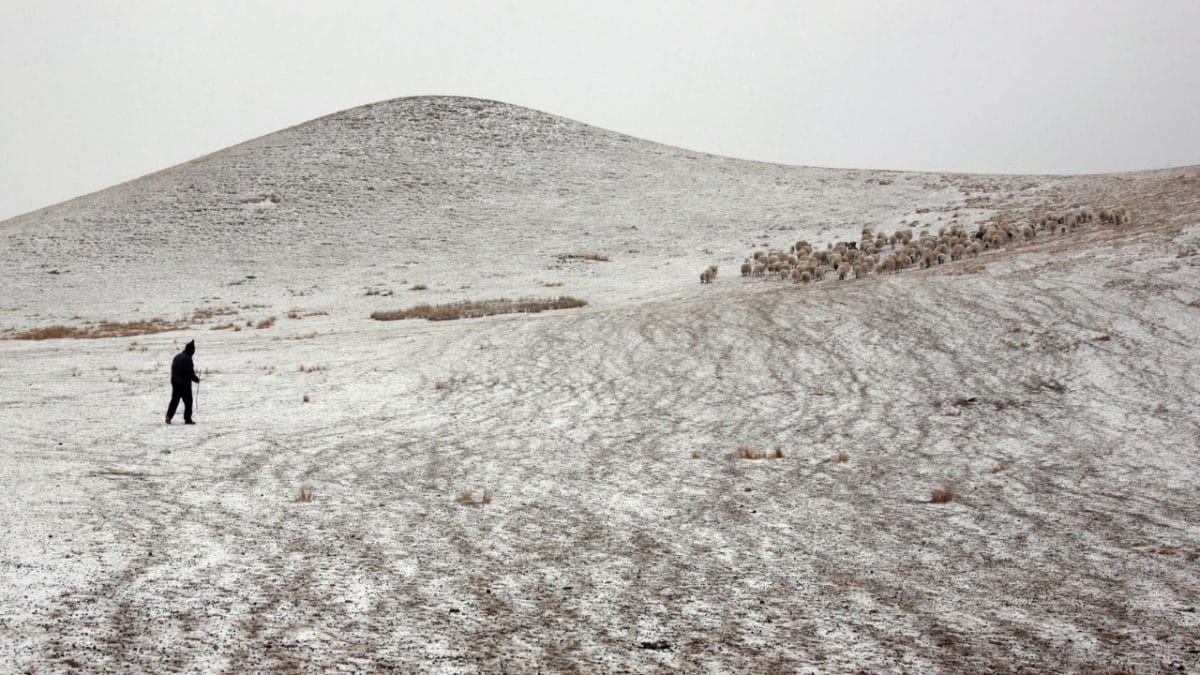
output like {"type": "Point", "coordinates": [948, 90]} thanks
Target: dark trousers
{"type": "Point", "coordinates": [178, 392]}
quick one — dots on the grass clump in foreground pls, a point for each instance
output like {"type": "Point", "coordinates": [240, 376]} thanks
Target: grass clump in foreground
{"type": "Point", "coordinates": [471, 309]}
{"type": "Point", "coordinates": [104, 329]}
{"type": "Point", "coordinates": [943, 495]}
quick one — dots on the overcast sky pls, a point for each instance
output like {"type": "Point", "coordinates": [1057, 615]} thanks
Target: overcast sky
{"type": "Point", "coordinates": [97, 92]}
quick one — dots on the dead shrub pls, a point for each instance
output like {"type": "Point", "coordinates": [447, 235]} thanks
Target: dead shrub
{"type": "Point", "coordinates": [384, 292]}
{"type": "Point", "coordinates": [103, 329]}
{"type": "Point", "coordinates": [265, 323]}
{"type": "Point", "coordinates": [590, 256]}
{"type": "Point", "coordinates": [695, 454]}
{"type": "Point", "coordinates": [419, 287]}
{"type": "Point", "coordinates": [441, 386]}
{"type": "Point", "coordinates": [746, 452]}
{"type": "Point", "coordinates": [305, 494]}
{"type": "Point", "coordinates": [842, 457]}
{"type": "Point", "coordinates": [467, 498]}
{"type": "Point", "coordinates": [205, 313]}
{"type": "Point", "coordinates": [942, 495]}
{"type": "Point", "coordinates": [471, 309]}
{"type": "Point", "coordinates": [778, 452]}
{"type": "Point", "coordinates": [311, 369]}
{"type": "Point", "coordinates": [1001, 466]}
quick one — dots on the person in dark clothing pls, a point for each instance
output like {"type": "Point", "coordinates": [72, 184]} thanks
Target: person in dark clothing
{"type": "Point", "coordinates": [183, 374]}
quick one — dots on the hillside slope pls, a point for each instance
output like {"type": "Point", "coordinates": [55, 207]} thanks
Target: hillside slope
{"type": "Point", "coordinates": [447, 192]}
{"type": "Point", "coordinates": [1051, 384]}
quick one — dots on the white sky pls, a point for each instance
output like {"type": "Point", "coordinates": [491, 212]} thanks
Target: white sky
{"type": "Point", "coordinates": [96, 92]}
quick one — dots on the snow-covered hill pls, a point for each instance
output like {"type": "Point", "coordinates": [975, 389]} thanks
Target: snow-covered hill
{"type": "Point", "coordinates": [1052, 385]}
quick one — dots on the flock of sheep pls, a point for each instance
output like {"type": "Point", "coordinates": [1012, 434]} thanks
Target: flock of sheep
{"type": "Point", "coordinates": [878, 252]}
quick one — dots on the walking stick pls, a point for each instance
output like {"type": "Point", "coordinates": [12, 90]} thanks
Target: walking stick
{"type": "Point", "coordinates": [197, 406]}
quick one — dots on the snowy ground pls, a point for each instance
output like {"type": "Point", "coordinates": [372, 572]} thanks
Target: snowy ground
{"type": "Point", "coordinates": [1053, 386]}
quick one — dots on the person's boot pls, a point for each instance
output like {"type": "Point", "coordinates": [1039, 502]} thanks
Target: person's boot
{"type": "Point", "coordinates": [188, 422]}
{"type": "Point", "coordinates": [168, 419]}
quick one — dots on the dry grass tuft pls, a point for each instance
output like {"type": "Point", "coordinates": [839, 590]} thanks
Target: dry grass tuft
{"type": "Point", "coordinates": [746, 452]}
{"type": "Point", "coordinates": [592, 256]}
{"type": "Point", "coordinates": [470, 309]}
{"type": "Point", "coordinates": [842, 457]}
{"type": "Point", "coordinates": [265, 323]}
{"type": "Point", "coordinates": [695, 454]}
{"type": "Point", "coordinates": [778, 452]}
{"type": "Point", "coordinates": [1001, 466]}
{"type": "Point", "coordinates": [311, 369]}
{"type": "Point", "coordinates": [205, 313]}
{"type": "Point", "coordinates": [466, 498]}
{"type": "Point", "coordinates": [441, 386]}
{"type": "Point", "coordinates": [941, 496]}
{"type": "Point", "coordinates": [306, 399]}
{"type": "Point", "coordinates": [305, 494]}
{"type": "Point", "coordinates": [419, 287]}
{"type": "Point", "coordinates": [383, 292]}
{"type": "Point", "coordinates": [104, 329]}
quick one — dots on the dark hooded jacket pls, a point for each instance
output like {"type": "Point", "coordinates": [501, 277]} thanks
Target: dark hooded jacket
{"type": "Point", "coordinates": [183, 372]}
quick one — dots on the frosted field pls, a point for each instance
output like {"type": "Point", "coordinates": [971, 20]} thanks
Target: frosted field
{"type": "Point", "coordinates": [1053, 385]}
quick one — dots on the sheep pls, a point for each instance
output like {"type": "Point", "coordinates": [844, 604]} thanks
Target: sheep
{"type": "Point", "coordinates": [760, 270]}
{"type": "Point", "coordinates": [747, 268]}
{"type": "Point", "coordinates": [708, 275]}
{"type": "Point", "coordinates": [842, 270]}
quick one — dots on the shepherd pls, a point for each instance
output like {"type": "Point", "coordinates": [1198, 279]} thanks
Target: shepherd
{"type": "Point", "coordinates": [183, 374]}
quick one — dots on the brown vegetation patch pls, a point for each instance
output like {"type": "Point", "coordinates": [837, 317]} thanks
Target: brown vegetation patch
{"type": "Point", "coordinates": [305, 493]}
{"type": "Point", "coordinates": [265, 323]}
{"type": "Point", "coordinates": [592, 256]}
{"type": "Point", "coordinates": [104, 329]}
{"type": "Point", "coordinates": [842, 457]}
{"type": "Point", "coordinates": [943, 495]}
{"type": "Point", "coordinates": [384, 292]}
{"type": "Point", "coordinates": [471, 309]}
{"type": "Point", "coordinates": [746, 452]}
{"type": "Point", "coordinates": [205, 313]}
{"type": "Point", "coordinates": [466, 498]}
